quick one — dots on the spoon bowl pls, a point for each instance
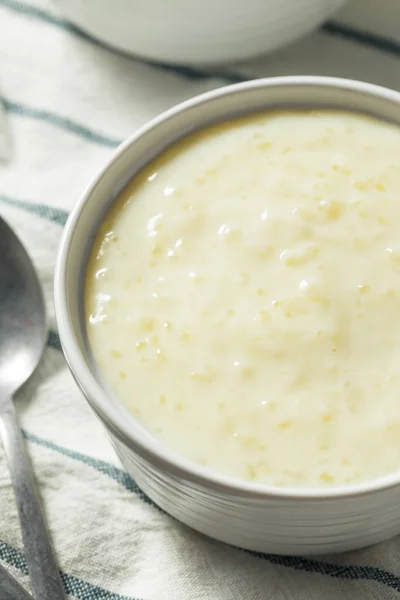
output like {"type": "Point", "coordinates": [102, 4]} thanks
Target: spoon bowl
{"type": "Point", "coordinates": [23, 330]}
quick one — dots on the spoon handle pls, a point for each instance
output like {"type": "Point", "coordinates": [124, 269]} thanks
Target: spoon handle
{"type": "Point", "coordinates": [44, 575]}
{"type": "Point", "coordinates": [10, 589]}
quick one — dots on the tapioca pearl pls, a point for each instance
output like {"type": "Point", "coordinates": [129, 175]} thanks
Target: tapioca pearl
{"type": "Point", "coordinates": [327, 477]}
{"type": "Point", "coordinates": [394, 426]}
{"type": "Point", "coordinates": [308, 285]}
{"type": "Point", "coordinates": [261, 317]}
{"type": "Point", "coordinates": [168, 190]}
{"type": "Point", "coordinates": [363, 288]}
{"type": "Point", "coordinates": [154, 224]}
{"type": "Point", "coordinates": [101, 273]}
{"type": "Point", "coordinates": [353, 397]}
{"type": "Point", "coordinates": [147, 323]}
{"type": "Point", "coordinates": [343, 170]}
{"type": "Point", "coordinates": [359, 243]}
{"type": "Point", "coordinates": [285, 425]}
{"type": "Point", "coordinates": [313, 291]}
{"type": "Point", "coordinates": [263, 252]}
{"type": "Point", "coordinates": [279, 483]}
{"type": "Point", "coordinates": [332, 209]}
{"type": "Point", "coordinates": [296, 306]}
{"type": "Point", "coordinates": [364, 185]}
{"type": "Point", "coordinates": [172, 255]}
{"type": "Point", "coordinates": [203, 375]}
{"type": "Point", "coordinates": [229, 233]}
{"type": "Point", "coordinates": [264, 146]}
{"type": "Point", "coordinates": [243, 278]}
{"type": "Point", "coordinates": [327, 417]}
{"type": "Point", "coordinates": [265, 403]}
{"type": "Point", "coordinates": [276, 303]}
{"type": "Point", "coordinates": [251, 472]}
{"type": "Point", "coordinates": [380, 187]}
{"type": "Point", "coordinates": [393, 253]}
{"type": "Point", "coordinates": [390, 294]}
{"type": "Point", "coordinates": [161, 355]}
{"type": "Point", "coordinates": [300, 380]}
{"type": "Point", "coordinates": [234, 236]}
{"type": "Point", "coordinates": [185, 336]}
{"type": "Point", "coordinates": [244, 369]}
{"type": "Point", "coordinates": [98, 317]}
{"type": "Point", "coordinates": [353, 478]}
{"type": "Point", "coordinates": [157, 250]}
{"type": "Point", "coordinates": [141, 345]}
{"type": "Point", "coordinates": [323, 211]}
{"type": "Point", "coordinates": [229, 426]}
{"type": "Point", "coordinates": [299, 255]}
{"type": "Point", "coordinates": [249, 442]}
{"type": "Point", "coordinates": [195, 277]}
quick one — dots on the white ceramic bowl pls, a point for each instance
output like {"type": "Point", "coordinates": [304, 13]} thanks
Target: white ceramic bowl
{"type": "Point", "coordinates": [248, 515]}
{"type": "Point", "coordinates": [198, 32]}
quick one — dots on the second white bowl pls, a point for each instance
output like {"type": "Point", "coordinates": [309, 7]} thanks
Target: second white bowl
{"type": "Point", "coordinates": [210, 31]}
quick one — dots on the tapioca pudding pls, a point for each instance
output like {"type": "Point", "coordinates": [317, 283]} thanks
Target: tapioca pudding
{"type": "Point", "coordinates": [243, 298]}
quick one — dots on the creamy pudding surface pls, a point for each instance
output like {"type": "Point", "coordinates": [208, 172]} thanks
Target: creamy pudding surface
{"type": "Point", "coordinates": [243, 298]}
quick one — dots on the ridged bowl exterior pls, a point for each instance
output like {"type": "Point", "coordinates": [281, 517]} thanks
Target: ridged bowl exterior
{"type": "Point", "coordinates": [253, 517]}
{"type": "Point", "coordinates": [273, 525]}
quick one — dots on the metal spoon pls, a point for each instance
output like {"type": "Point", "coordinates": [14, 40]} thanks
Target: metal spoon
{"type": "Point", "coordinates": [10, 589]}
{"type": "Point", "coordinates": [23, 334]}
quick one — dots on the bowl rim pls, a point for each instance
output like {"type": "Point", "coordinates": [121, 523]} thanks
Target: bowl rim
{"type": "Point", "coordinates": [157, 454]}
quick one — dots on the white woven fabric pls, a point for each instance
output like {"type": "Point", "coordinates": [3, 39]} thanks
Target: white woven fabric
{"type": "Point", "coordinates": [69, 102]}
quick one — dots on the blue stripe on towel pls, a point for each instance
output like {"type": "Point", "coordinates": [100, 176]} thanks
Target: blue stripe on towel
{"type": "Point", "coordinates": [365, 38]}
{"type": "Point", "coordinates": [75, 586]}
{"type": "Point", "coordinates": [61, 122]}
{"type": "Point", "coordinates": [53, 340]}
{"type": "Point", "coordinates": [106, 468]}
{"type": "Point", "coordinates": [348, 572]}
{"type": "Point", "coordinates": [56, 215]}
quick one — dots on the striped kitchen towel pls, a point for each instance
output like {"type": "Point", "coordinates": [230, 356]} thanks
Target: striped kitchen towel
{"type": "Point", "coordinates": [69, 102]}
